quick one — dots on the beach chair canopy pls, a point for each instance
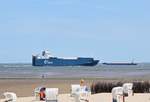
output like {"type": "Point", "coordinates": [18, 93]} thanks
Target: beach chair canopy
{"type": "Point", "coordinates": [128, 86]}
{"type": "Point", "coordinates": [127, 89]}
{"type": "Point", "coordinates": [51, 94]}
{"type": "Point", "coordinates": [38, 89]}
{"type": "Point", "coordinates": [10, 97]}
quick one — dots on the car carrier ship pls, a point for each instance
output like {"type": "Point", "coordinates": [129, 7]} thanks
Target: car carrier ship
{"type": "Point", "coordinates": [47, 60]}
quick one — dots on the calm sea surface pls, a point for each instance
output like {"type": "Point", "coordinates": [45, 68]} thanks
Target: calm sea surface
{"type": "Point", "coordinates": [105, 71]}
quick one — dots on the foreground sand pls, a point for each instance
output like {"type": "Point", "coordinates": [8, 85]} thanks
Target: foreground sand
{"type": "Point", "coordinates": [102, 97]}
{"type": "Point", "coordinates": [24, 88]}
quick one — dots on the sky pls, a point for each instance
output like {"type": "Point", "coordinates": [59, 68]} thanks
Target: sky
{"type": "Point", "coordinates": [108, 30]}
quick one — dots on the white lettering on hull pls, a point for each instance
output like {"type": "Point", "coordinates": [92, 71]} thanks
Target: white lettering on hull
{"type": "Point", "coordinates": [47, 62]}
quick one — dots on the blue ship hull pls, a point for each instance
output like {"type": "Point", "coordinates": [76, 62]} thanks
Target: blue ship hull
{"type": "Point", "coordinates": [54, 61]}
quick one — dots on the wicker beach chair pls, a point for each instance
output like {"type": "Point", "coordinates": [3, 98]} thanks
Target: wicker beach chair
{"type": "Point", "coordinates": [117, 94]}
{"type": "Point", "coordinates": [75, 88]}
{"type": "Point", "coordinates": [127, 89]}
{"type": "Point", "coordinates": [10, 97]}
{"type": "Point", "coordinates": [51, 94]}
{"type": "Point", "coordinates": [80, 93]}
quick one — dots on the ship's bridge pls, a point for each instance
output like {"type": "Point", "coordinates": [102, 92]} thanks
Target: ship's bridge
{"type": "Point", "coordinates": [46, 54]}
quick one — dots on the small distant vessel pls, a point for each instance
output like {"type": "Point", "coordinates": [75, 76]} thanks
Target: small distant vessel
{"type": "Point", "coordinates": [47, 60]}
{"type": "Point", "coordinates": [120, 63]}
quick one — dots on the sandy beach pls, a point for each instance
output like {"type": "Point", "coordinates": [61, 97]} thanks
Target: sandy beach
{"type": "Point", "coordinates": [101, 97]}
{"type": "Point", "coordinates": [24, 88]}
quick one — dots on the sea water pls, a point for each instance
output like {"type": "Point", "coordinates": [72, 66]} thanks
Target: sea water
{"type": "Point", "coordinates": [99, 71]}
